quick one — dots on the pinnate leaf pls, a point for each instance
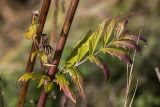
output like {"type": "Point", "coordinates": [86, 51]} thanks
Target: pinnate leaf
{"type": "Point", "coordinates": [132, 37]}
{"type": "Point", "coordinates": [119, 53]}
{"type": "Point", "coordinates": [109, 31]}
{"type": "Point", "coordinates": [79, 51]}
{"type": "Point", "coordinates": [96, 36]}
{"type": "Point", "coordinates": [127, 44]}
{"type": "Point", "coordinates": [120, 28]}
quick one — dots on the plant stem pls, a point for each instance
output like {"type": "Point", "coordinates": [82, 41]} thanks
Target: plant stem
{"type": "Point", "coordinates": [30, 65]}
{"type": "Point", "coordinates": [59, 49]}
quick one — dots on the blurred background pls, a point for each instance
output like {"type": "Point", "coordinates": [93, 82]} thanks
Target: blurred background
{"type": "Point", "coordinates": [15, 17]}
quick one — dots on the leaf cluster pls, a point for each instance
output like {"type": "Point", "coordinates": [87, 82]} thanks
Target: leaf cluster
{"type": "Point", "coordinates": [111, 37]}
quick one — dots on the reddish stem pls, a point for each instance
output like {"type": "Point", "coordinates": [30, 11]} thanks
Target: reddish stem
{"type": "Point", "coordinates": [30, 65]}
{"type": "Point", "coordinates": [59, 49]}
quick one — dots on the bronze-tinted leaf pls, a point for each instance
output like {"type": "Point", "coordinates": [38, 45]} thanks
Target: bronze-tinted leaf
{"type": "Point", "coordinates": [129, 36]}
{"type": "Point", "coordinates": [122, 55]}
{"type": "Point", "coordinates": [105, 69]}
{"type": "Point", "coordinates": [78, 80]}
{"type": "Point", "coordinates": [109, 31]}
{"type": "Point", "coordinates": [64, 85]}
{"type": "Point", "coordinates": [120, 27]}
{"type": "Point", "coordinates": [99, 62]}
{"type": "Point", "coordinates": [127, 44]}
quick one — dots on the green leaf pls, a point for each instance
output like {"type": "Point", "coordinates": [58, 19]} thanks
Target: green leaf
{"type": "Point", "coordinates": [96, 36]}
{"type": "Point", "coordinates": [64, 85]}
{"type": "Point", "coordinates": [32, 30]}
{"type": "Point", "coordinates": [119, 53]}
{"type": "Point", "coordinates": [109, 31]}
{"type": "Point", "coordinates": [79, 51]}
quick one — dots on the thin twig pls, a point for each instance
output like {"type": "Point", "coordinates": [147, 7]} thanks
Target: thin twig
{"type": "Point", "coordinates": [30, 64]}
{"type": "Point", "coordinates": [130, 76]}
{"type": "Point", "coordinates": [59, 49]}
{"type": "Point", "coordinates": [131, 102]}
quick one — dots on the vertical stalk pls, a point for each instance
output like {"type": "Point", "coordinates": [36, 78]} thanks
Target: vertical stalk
{"type": "Point", "coordinates": [59, 48]}
{"type": "Point", "coordinates": [30, 65]}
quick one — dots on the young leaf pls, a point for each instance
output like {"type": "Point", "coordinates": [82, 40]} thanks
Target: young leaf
{"type": "Point", "coordinates": [96, 36]}
{"type": "Point", "coordinates": [109, 31]}
{"type": "Point", "coordinates": [42, 80]}
{"type": "Point", "coordinates": [27, 76]}
{"type": "Point", "coordinates": [75, 54]}
{"type": "Point", "coordinates": [64, 85]}
{"type": "Point", "coordinates": [132, 37]}
{"type": "Point", "coordinates": [126, 44]}
{"type": "Point", "coordinates": [99, 62]}
{"type": "Point", "coordinates": [117, 53]}
{"type": "Point", "coordinates": [77, 79]}
{"type": "Point", "coordinates": [32, 30]}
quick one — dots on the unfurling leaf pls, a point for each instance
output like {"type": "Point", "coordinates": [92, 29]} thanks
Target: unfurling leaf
{"type": "Point", "coordinates": [127, 44]}
{"type": "Point", "coordinates": [105, 70]}
{"type": "Point", "coordinates": [77, 79]}
{"type": "Point", "coordinates": [48, 86]}
{"type": "Point", "coordinates": [33, 55]}
{"type": "Point", "coordinates": [79, 51]}
{"type": "Point", "coordinates": [32, 30]}
{"type": "Point", "coordinates": [42, 80]}
{"type": "Point", "coordinates": [132, 37]}
{"type": "Point", "coordinates": [27, 76]}
{"type": "Point", "coordinates": [99, 62]}
{"type": "Point", "coordinates": [64, 86]}
{"type": "Point", "coordinates": [109, 31]}
{"type": "Point", "coordinates": [120, 27]}
{"type": "Point", "coordinates": [122, 55]}
{"type": "Point", "coordinates": [46, 81]}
